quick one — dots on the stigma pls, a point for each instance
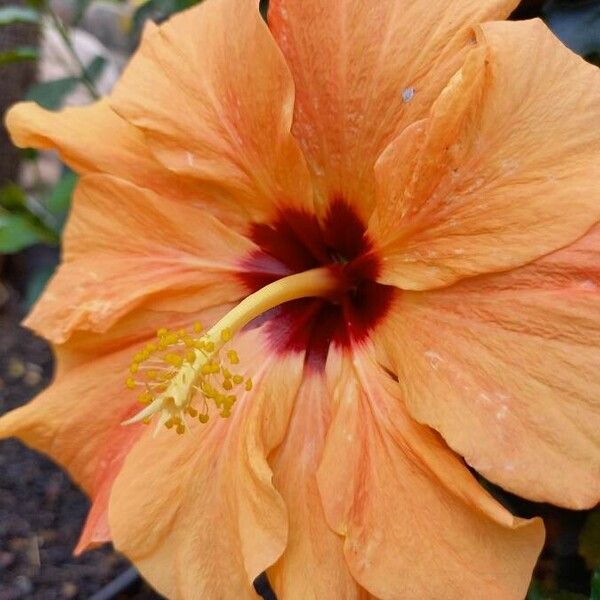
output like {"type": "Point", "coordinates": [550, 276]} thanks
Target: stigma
{"type": "Point", "coordinates": [185, 375]}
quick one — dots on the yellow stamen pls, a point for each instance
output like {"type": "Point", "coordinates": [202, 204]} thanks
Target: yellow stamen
{"type": "Point", "coordinates": [192, 366]}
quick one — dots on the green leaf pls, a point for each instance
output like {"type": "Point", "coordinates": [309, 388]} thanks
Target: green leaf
{"type": "Point", "coordinates": [37, 283]}
{"type": "Point", "coordinates": [18, 14]}
{"type": "Point", "coordinates": [80, 7]}
{"type": "Point", "coordinates": [563, 595]}
{"type": "Point", "coordinates": [589, 540]}
{"type": "Point", "coordinates": [19, 226]}
{"type": "Point", "coordinates": [50, 94]}
{"type": "Point", "coordinates": [95, 68]}
{"type": "Point", "coordinates": [37, 4]}
{"type": "Point", "coordinates": [157, 11]}
{"type": "Point", "coordinates": [30, 153]}
{"type": "Point", "coordinates": [12, 197]}
{"type": "Point", "coordinates": [59, 200]}
{"type": "Point", "coordinates": [18, 231]}
{"type": "Point", "coordinates": [16, 55]}
{"type": "Point", "coordinates": [596, 585]}
{"type": "Point", "coordinates": [535, 593]}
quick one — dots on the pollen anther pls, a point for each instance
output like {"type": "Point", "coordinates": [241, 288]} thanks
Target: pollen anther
{"type": "Point", "coordinates": [180, 368]}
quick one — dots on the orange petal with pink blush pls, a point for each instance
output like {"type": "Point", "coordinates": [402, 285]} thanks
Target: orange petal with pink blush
{"type": "Point", "coordinates": [313, 564]}
{"type": "Point", "coordinates": [224, 119]}
{"type": "Point", "coordinates": [117, 446]}
{"type": "Point", "coordinates": [416, 523]}
{"type": "Point", "coordinates": [214, 498]}
{"type": "Point", "coordinates": [501, 172]}
{"type": "Point", "coordinates": [162, 248]}
{"type": "Point", "coordinates": [364, 71]}
{"type": "Point", "coordinates": [118, 148]}
{"type": "Point", "coordinates": [505, 367]}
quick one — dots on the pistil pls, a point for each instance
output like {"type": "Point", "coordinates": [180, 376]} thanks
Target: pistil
{"type": "Point", "coordinates": [183, 367]}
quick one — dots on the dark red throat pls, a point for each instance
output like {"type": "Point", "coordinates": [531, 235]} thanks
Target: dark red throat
{"type": "Point", "coordinates": [296, 242]}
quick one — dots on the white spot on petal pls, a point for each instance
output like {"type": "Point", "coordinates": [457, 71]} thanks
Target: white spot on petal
{"type": "Point", "coordinates": [588, 285]}
{"type": "Point", "coordinates": [434, 359]}
{"type": "Point", "coordinates": [510, 165]}
{"type": "Point", "coordinates": [408, 94]}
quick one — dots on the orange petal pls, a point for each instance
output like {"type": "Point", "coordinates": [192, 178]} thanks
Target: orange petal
{"type": "Point", "coordinates": [94, 139]}
{"type": "Point", "coordinates": [77, 422]}
{"type": "Point", "coordinates": [416, 523]}
{"type": "Point", "coordinates": [214, 98]}
{"type": "Point", "coordinates": [124, 245]}
{"type": "Point", "coordinates": [364, 71]}
{"type": "Point", "coordinates": [171, 311]}
{"type": "Point", "coordinates": [506, 368]}
{"type": "Point", "coordinates": [208, 494]}
{"type": "Point", "coordinates": [117, 444]}
{"type": "Point", "coordinates": [313, 564]}
{"type": "Point", "coordinates": [504, 170]}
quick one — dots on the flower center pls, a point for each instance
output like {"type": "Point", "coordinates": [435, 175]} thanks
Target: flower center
{"type": "Point", "coordinates": [182, 372]}
{"type": "Point", "coordinates": [296, 241]}
{"type": "Point", "coordinates": [312, 284]}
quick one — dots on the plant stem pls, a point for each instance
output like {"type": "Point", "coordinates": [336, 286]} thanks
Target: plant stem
{"type": "Point", "coordinates": [64, 34]}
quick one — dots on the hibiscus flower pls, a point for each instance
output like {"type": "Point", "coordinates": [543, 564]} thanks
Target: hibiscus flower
{"type": "Point", "coordinates": [384, 214]}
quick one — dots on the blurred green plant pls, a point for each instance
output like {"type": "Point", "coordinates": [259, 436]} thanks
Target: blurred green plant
{"type": "Point", "coordinates": [596, 585]}
{"type": "Point", "coordinates": [25, 221]}
{"type": "Point", "coordinates": [10, 15]}
{"type": "Point", "coordinates": [51, 94]}
{"type": "Point", "coordinates": [157, 11]}
{"type": "Point", "coordinates": [589, 542]}
{"type": "Point", "coordinates": [38, 215]}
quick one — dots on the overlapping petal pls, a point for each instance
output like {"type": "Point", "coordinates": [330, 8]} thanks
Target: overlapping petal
{"type": "Point", "coordinates": [364, 71]}
{"type": "Point", "coordinates": [504, 170]}
{"type": "Point", "coordinates": [94, 139]}
{"type": "Point", "coordinates": [214, 98]}
{"type": "Point", "coordinates": [215, 521]}
{"type": "Point", "coordinates": [124, 245]}
{"type": "Point", "coordinates": [416, 523]}
{"type": "Point", "coordinates": [313, 564]}
{"type": "Point", "coordinates": [506, 367]}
